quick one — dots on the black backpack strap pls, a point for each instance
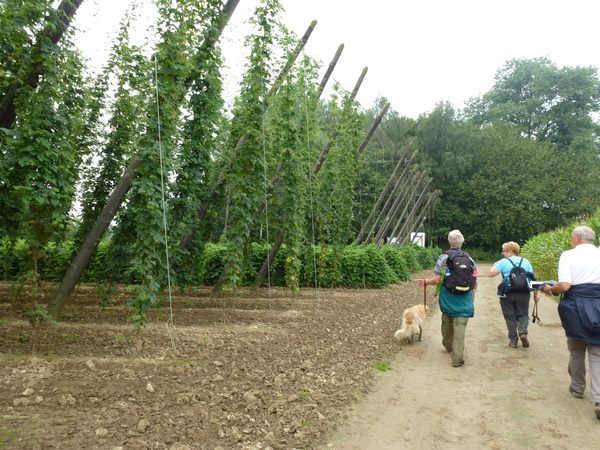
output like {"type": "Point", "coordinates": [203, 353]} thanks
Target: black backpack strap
{"type": "Point", "coordinates": [453, 252]}
{"type": "Point", "coordinates": [513, 264]}
{"type": "Point", "coordinates": [521, 262]}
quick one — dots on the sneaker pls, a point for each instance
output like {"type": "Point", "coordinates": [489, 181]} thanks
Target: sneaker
{"type": "Point", "coordinates": [458, 364]}
{"type": "Point", "coordinates": [524, 340]}
{"type": "Point", "coordinates": [574, 393]}
{"type": "Point", "coordinates": [513, 344]}
{"type": "Point", "coordinates": [597, 410]}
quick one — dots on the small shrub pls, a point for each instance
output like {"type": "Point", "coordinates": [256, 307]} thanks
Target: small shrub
{"type": "Point", "coordinates": [382, 365]}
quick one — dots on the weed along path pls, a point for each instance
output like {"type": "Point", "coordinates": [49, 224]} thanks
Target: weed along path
{"type": "Point", "coordinates": [502, 398]}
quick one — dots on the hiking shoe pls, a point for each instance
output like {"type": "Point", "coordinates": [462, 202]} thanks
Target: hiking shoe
{"type": "Point", "coordinates": [597, 410]}
{"type": "Point", "coordinates": [524, 340]}
{"type": "Point", "coordinates": [460, 363]}
{"type": "Point", "coordinates": [574, 393]}
{"type": "Point", "coordinates": [513, 344]}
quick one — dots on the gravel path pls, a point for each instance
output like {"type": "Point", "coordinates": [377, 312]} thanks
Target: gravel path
{"type": "Point", "coordinates": [502, 398]}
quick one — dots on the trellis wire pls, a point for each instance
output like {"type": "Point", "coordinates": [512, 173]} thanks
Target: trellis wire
{"type": "Point", "coordinates": [310, 188]}
{"type": "Point", "coordinates": [164, 208]}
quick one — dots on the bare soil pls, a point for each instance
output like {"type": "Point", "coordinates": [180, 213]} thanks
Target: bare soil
{"type": "Point", "coordinates": [267, 370]}
{"type": "Point", "coordinates": [254, 370]}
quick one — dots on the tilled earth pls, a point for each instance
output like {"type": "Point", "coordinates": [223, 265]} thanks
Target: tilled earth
{"type": "Point", "coordinates": [254, 370]}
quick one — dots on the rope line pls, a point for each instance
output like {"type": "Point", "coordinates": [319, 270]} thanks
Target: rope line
{"type": "Point", "coordinates": [164, 208]}
{"type": "Point", "coordinates": [263, 139]}
{"type": "Point", "coordinates": [310, 190]}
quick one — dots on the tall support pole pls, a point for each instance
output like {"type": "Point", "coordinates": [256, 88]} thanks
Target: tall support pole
{"type": "Point", "coordinates": [114, 202]}
{"type": "Point", "coordinates": [358, 239]}
{"type": "Point", "coordinates": [327, 147]}
{"type": "Point", "coordinates": [264, 270]}
{"type": "Point", "coordinates": [405, 200]}
{"type": "Point", "coordinates": [277, 245]}
{"type": "Point", "coordinates": [392, 196]}
{"type": "Point", "coordinates": [187, 239]}
{"type": "Point", "coordinates": [428, 206]}
{"type": "Point", "coordinates": [391, 206]}
{"type": "Point", "coordinates": [401, 217]}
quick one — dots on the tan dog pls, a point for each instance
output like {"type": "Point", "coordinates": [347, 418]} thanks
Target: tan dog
{"type": "Point", "coordinates": [413, 319]}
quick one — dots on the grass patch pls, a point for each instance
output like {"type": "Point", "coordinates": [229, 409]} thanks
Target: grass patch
{"type": "Point", "coordinates": [69, 338]}
{"type": "Point", "coordinates": [382, 365]}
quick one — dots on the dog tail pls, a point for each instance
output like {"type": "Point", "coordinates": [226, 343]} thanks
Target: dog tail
{"type": "Point", "coordinates": [403, 332]}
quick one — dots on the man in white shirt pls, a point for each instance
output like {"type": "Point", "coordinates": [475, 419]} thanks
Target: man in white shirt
{"type": "Point", "coordinates": [579, 310]}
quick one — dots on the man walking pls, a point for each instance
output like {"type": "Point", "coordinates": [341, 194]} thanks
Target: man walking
{"type": "Point", "coordinates": [579, 310]}
{"type": "Point", "coordinates": [456, 298]}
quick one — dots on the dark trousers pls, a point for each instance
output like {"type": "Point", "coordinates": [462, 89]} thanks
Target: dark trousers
{"type": "Point", "coordinates": [515, 308]}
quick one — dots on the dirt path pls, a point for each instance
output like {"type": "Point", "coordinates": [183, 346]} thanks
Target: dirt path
{"type": "Point", "coordinates": [502, 398]}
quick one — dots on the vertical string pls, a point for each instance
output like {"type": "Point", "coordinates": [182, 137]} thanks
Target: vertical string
{"type": "Point", "coordinates": [310, 190]}
{"type": "Point", "coordinates": [262, 95]}
{"type": "Point", "coordinates": [164, 207]}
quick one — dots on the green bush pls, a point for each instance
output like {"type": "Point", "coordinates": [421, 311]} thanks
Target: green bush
{"type": "Point", "coordinates": [410, 255]}
{"type": "Point", "coordinates": [397, 263]}
{"type": "Point", "coordinates": [364, 266]}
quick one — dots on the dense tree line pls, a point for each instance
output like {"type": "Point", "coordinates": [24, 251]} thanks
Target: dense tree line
{"type": "Point", "coordinates": [160, 167]}
{"type": "Point", "coordinates": [521, 159]}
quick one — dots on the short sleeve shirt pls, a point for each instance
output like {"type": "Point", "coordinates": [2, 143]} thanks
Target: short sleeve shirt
{"type": "Point", "coordinates": [580, 265]}
{"type": "Point", "coordinates": [504, 266]}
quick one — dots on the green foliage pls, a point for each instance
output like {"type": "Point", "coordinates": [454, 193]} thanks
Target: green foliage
{"type": "Point", "coordinates": [365, 267]}
{"type": "Point", "coordinates": [397, 263]}
{"type": "Point", "coordinates": [483, 256]}
{"type": "Point", "coordinates": [544, 250]}
{"type": "Point", "coordinates": [410, 254]}
{"type": "Point", "coordinates": [39, 316]}
{"type": "Point", "coordinates": [542, 101]}
{"type": "Point", "coordinates": [383, 365]}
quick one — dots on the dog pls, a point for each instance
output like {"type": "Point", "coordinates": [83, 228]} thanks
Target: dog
{"type": "Point", "coordinates": [413, 319]}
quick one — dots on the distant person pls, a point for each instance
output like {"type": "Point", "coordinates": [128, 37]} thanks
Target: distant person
{"type": "Point", "coordinates": [579, 310]}
{"type": "Point", "coordinates": [514, 301]}
{"type": "Point", "coordinates": [456, 294]}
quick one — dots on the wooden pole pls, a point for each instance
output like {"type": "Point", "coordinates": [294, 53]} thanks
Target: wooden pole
{"type": "Point", "coordinates": [90, 243]}
{"type": "Point", "coordinates": [358, 239]}
{"type": "Point", "coordinates": [395, 201]}
{"type": "Point", "coordinates": [428, 206]}
{"type": "Point", "coordinates": [425, 189]}
{"type": "Point", "coordinates": [392, 197]}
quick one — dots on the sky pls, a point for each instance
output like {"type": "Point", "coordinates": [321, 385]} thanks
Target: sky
{"type": "Point", "coordinates": [418, 53]}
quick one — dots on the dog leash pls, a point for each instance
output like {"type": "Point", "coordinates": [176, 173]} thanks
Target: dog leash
{"type": "Point", "coordinates": [534, 313]}
{"type": "Point", "coordinates": [425, 292]}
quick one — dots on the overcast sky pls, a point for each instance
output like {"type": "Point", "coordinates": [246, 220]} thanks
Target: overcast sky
{"type": "Point", "coordinates": [418, 52]}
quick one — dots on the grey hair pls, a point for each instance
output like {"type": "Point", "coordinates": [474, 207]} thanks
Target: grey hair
{"type": "Point", "coordinates": [455, 238]}
{"type": "Point", "coordinates": [586, 233]}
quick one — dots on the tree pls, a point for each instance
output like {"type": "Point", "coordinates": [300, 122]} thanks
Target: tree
{"type": "Point", "coordinates": [541, 100]}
